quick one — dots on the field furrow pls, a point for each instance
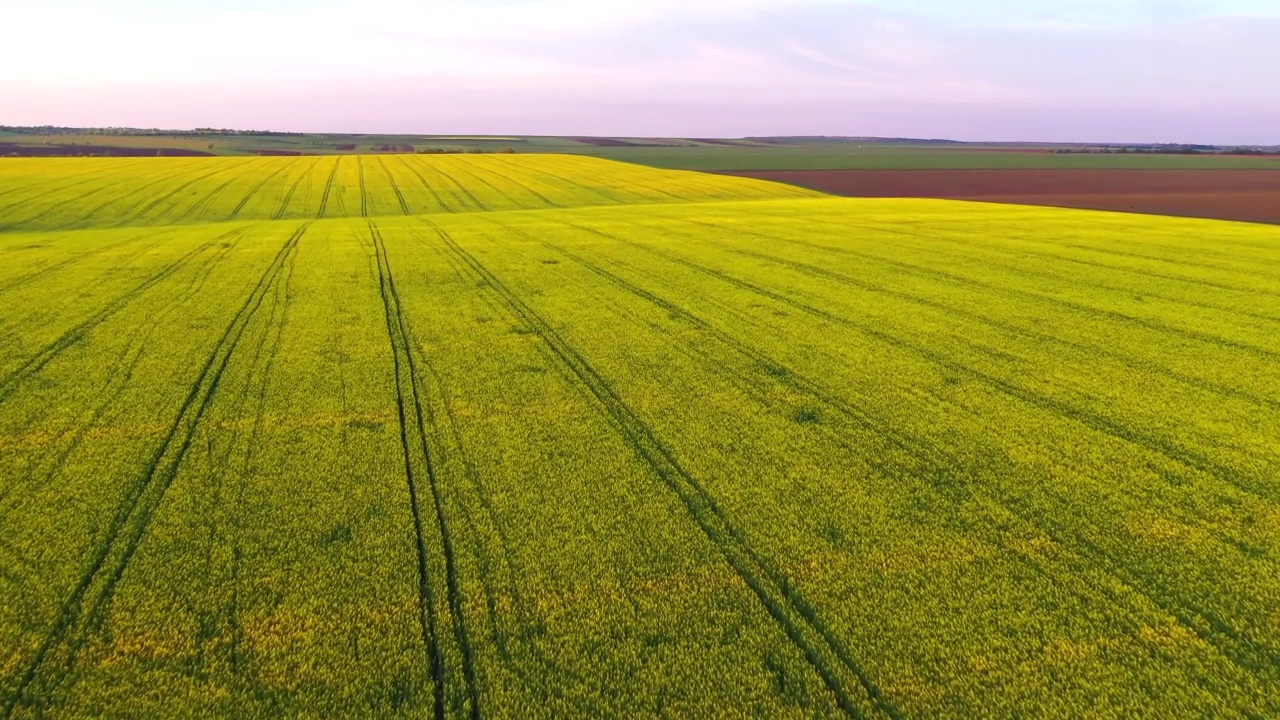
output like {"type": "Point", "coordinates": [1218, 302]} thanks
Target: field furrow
{"type": "Point", "coordinates": [413, 437]}
{"type": "Point", "coordinates": [934, 460]}
{"type": "Point", "coordinates": [35, 361]}
{"type": "Point", "coordinates": [775, 592]}
{"type": "Point", "coordinates": [81, 613]}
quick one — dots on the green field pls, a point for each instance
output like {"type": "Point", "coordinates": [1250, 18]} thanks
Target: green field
{"type": "Point", "coordinates": [544, 436]}
{"type": "Point", "coordinates": [847, 156]}
{"type": "Point", "coordinates": [670, 153]}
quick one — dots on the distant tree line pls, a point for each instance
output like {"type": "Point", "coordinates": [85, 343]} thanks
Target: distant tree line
{"type": "Point", "coordinates": [1165, 149]}
{"type": "Point", "coordinates": [59, 130]}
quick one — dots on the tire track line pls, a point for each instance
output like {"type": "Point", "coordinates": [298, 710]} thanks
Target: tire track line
{"type": "Point", "coordinates": [235, 212]}
{"type": "Point", "coordinates": [288, 196]}
{"type": "Point", "coordinates": [328, 187]}
{"type": "Point", "coordinates": [133, 516]}
{"type": "Point", "coordinates": [132, 217]}
{"type": "Point", "coordinates": [515, 183]}
{"type": "Point", "coordinates": [52, 187]}
{"type": "Point", "coordinates": [125, 366]}
{"type": "Point", "coordinates": [364, 195]}
{"type": "Point", "coordinates": [412, 402]}
{"type": "Point", "coordinates": [1149, 259]}
{"type": "Point", "coordinates": [469, 169]}
{"type": "Point", "coordinates": [609, 199]}
{"type": "Point", "coordinates": [1045, 251]}
{"type": "Point", "coordinates": [204, 202]}
{"type": "Point", "coordinates": [73, 258]}
{"type": "Point", "coordinates": [462, 188]}
{"type": "Point", "coordinates": [780, 599]}
{"type": "Point", "coordinates": [155, 177]}
{"type": "Point", "coordinates": [1131, 363]}
{"type": "Point", "coordinates": [1093, 283]}
{"type": "Point", "coordinates": [1188, 458]}
{"type": "Point", "coordinates": [404, 206]}
{"type": "Point", "coordinates": [1204, 623]}
{"type": "Point", "coordinates": [254, 395]}
{"type": "Point", "coordinates": [135, 247]}
{"type": "Point", "coordinates": [69, 338]}
{"type": "Point", "coordinates": [1112, 315]}
{"type": "Point", "coordinates": [427, 186]}
{"type": "Point", "coordinates": [1246, 652]}
{"type": "Point", "coordinates": [520, 604]}
{"type": "Point", "coordinates": [1047, 256]}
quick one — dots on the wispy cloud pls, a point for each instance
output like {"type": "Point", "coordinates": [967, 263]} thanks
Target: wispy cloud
{"type": "Point", "coordinates": [994, 68]}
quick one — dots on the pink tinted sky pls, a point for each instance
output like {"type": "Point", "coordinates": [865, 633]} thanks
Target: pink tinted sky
{"type": "Point", "coordinates": [1085, 70]}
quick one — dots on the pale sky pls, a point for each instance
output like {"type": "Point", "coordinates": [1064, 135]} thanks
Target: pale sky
{"type": "Point", "coordinates": [1079, 70]}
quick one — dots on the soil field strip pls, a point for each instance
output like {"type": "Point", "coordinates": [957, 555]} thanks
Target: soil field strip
{"type": "Point", "coordinates": [1221, 194]}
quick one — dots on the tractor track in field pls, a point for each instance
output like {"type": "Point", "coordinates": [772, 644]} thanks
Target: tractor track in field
{"type": "Point", "coordinates": [427, 186]}
{"type": "Point", "coordinates": [128, 361]}
{"type": "Point", "coordinates": [1206, 624]}
{"type": "Point", "coordinates": [523, 186]}
{"type": "Point", "coordinates": [72, 336]}
{"type": "Point", "coordinates": [1024, 333]}
{"type": "Point", "coordinates": [713, 194]}
{"type": "Point", "coordinates": [235, 212]}
{"type": "Point", "coordinates": [40, 190]}
{"type": "Point", "coordinates": [1019, 295]}
{"type": "Point", "coordinates": [609, 199]}
{"type": "Point", "coordinates": [922, 451]}
{"type": "Point", "coordinates": [1154, 259]}
{"type": "Point", "coordinates": [717, 192]}
{"type": "Point", "coordinates": [199, 206]}
{"type": "Point", "coordinates": [1113, 315]}
{"type": "Point", "coordinates": [1186, 457]}
{"type": "Point", "coordinates": [75, 624]}
{"type": "Point", "coordinates": [328, 188]}
{"type": "Point", "coordinates": [364, 194]}
{"type": "Point", "coordinates": [415, 414]}
{"type": "Point", "coordinates": [466, 191]}
{"type": "Point", "coordinates": [253, 392]}
{"type": "Point", "coordinates": [149, 180]}
{"type": "Point", "coordinates": [520, 604]}
{"type": "Point", "coordinates": [134, 215]}
{"type": "Point", "coordinates": [1012, 329]}
{"type": "Point", "coordinates": [779, 598]}
{"type": "Point", "coordinates": [950, 240]}
{"type": "Point", "coordinates": [426, 601]}
{"type": "Point", "coordinates": [154, 179]}
{"type": "Point", "coordinates": [497, 192]}
{"type": "Point", "coordinates": [404, 206]}
{"type": "Point", "coordinates": [925, 453]}
{"type": "Point", "coordinates": [1152, 273]}
{"type": "Point", "coordinates": [19, 281]}
{"type": "Point", "coordinates": [1090, 283]}
{"type": "Point", "coordinates": [135, 247]}
{"type": "Point", "coordinates": [288, 196]}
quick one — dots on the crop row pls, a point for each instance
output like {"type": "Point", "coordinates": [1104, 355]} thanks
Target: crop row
{"type": "Point", "coordinates": [67, 195]}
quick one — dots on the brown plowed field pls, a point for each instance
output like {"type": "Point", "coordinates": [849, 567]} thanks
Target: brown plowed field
{"type": "Point", "coordinates": [1249, 195]}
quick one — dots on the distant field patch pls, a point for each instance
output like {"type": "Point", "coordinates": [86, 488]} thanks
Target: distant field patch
{"type": "Point", "coordinates": [1249, 195]}
{"type": "Point", "coordinates": [478, 138]}
{"type": "Point", "coordinates": [850, 156]}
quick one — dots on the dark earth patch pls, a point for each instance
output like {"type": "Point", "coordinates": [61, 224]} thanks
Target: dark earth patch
{"type": "Point", "coordinates": [1247, 195]}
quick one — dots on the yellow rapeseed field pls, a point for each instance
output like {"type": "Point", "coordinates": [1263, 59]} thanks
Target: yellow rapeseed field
{"type": "Point", "coordinates": [546, 436]}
